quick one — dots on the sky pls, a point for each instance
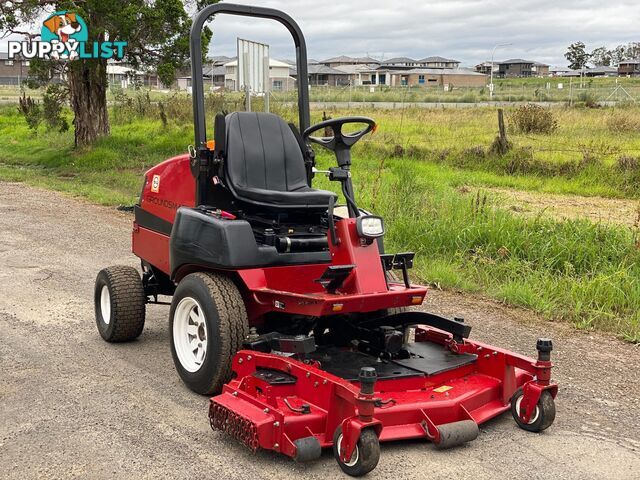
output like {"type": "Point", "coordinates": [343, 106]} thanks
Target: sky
{"type": "Point", "coordinates": [466, 30]}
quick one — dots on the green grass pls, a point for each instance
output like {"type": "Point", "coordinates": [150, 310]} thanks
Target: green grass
{"type": "Point", "coordinates": [576, 271]}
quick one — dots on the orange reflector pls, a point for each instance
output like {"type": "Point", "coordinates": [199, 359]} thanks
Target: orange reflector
{"type": "Point", "coordinates": [337, 307]}
{"type": "Point", "coordinates": [211, 144]}
{"type": "Point", "coordinates": [416, 300]}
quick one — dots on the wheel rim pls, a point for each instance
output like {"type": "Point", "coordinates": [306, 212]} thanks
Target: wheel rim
{"type": "Point", "coordinates": [190, 334]}
{"type": "Point", "coordinates": [105, 304]}
{"type": "Point", "coordinates": [535, 415]}
{"type": "Point", "coordinates": [354, 456]}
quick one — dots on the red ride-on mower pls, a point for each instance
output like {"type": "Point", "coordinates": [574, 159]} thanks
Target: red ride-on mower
{"type": "Point", "coordinates": [288, 308]}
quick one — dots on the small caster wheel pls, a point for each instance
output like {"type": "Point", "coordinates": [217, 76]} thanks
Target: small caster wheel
{"type": "Point", "coordinates": [543, 416]}
{"type": "Point", "coordinates": [365, 456]}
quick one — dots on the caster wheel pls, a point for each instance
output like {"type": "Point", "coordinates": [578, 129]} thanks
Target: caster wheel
{"type": "Point", "coordinates": [543, 416]}
{"type": "Point", "coordinates": [365, 456]}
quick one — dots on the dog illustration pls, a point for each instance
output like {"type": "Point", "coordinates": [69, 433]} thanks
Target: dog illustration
{"type": "Point", "coordinates": [63, 26]}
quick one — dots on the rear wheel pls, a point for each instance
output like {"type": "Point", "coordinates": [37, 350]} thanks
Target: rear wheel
{"type": "Point", "coordinates": [208, 323]}
{"type": "Point", "coordinates": [365, 456]}
{"type": "Point", "coordinates": [119, 303]}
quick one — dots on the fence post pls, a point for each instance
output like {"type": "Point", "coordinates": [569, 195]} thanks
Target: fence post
{"type": "Point", "coordinates": [501, 144]}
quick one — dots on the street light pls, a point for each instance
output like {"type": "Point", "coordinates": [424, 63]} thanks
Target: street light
{"type": "Point", "coordinates": [493, 52]}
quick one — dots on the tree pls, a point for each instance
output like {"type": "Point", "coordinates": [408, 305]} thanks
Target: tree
{"type": "Point", "coordinates": [601, 57]}
{"type": "Point", "coordinates": [577, 56]}
{"type": "Point", "coordinates": [157, 33]}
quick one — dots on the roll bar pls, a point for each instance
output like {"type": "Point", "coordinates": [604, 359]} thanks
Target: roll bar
{"type": "Point", "coordinates": [199, 120]}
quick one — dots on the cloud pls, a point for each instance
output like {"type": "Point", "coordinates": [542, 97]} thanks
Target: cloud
{"type": "Point", "coordinates": [465, 30]}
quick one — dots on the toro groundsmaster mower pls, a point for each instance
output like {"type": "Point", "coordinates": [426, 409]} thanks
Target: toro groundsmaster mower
{"type": "Point", "coordinates": [286, 306]}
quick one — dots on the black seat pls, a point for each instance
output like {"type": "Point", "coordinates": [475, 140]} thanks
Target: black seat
{"type": "Point", "coordinates": [264, 163]}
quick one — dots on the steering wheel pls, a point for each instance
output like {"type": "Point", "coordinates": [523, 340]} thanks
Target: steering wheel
{"type": "Point", "coordinates": [340, 143]}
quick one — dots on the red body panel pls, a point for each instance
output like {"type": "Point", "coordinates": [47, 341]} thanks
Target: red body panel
{"type": "Point", "coordinates": [290, 289]}
{"type": "Point", "coordinates": [175, 187]}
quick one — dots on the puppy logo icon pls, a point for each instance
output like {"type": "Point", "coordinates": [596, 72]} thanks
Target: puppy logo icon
{"type": "Point", "coordinates": [64, 30]}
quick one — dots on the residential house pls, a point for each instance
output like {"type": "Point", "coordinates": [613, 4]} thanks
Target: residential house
{"type": "Point", "coordinates": [399, 63]}
{"type": "Point", "coordinates": [438, 62]}
{"type": "Point", "coordinates": [279, 75]}
{"type": "Point", "coordinates": [601, 71]}
{"type": "Point", "coordinates": [630, 67]}
{"type": "Point", "coordinates": [515, 67]}
{"type": "Point", "coordinates": [321, 75]}
{"type": "Point", "coordinates": [486, 67]}
{"type": "Point", "coordinates": [344, 60]}
{"type": "Point", "coordinates": [438, 77]}
{"type": "Point", "coordinates": [540, 70]}
{"type": "Point", "coordinates": [12, 71]}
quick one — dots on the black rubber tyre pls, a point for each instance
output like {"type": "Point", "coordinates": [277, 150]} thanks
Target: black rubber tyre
{"type": "Point", "coordinates": [119, 303]}
{"type": "Point", "coordinates": [542, 418]}
{"type": "Point", "coordinates": [226, 327]}
{"type": "Point", "coordinates": [365, 457]}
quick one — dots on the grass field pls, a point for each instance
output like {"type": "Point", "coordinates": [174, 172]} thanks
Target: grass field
{"type": "Point", "coordinates": [429, 173]}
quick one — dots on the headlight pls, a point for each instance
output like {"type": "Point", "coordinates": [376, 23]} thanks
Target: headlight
{"type": "Point", "coordinates": [370, 227]}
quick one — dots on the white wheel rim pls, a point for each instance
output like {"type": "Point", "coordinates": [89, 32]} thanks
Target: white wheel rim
{"type": "Point", "coordinates": [535, 415]}
{"type": "Point", "coordinates": [105, 304]}
{"type": "Point", "coordinates": [190, 334]}
{"type": "Point", "coordinates": [354, 456]}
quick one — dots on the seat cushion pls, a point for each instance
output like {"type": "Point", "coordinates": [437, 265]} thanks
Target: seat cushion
{"type": "Point", "coordinates": [264, 163]}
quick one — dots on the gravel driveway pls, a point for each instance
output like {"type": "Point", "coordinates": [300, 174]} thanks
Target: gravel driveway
{"type": "Point", "coordinates": [73, 406]}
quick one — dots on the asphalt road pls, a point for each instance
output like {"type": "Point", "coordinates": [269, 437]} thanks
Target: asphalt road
{"type": "Point", "coordinates": [73, 406]}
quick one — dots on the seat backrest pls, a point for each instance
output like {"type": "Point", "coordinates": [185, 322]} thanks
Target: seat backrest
{"type": "Point", "coordinates": [262, 152]}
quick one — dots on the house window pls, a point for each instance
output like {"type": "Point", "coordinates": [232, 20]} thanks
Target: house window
{"type": "Point", "coordinates": [421, 79]}
{"type": "Point", "coordinates": [8, 62]}
{"type": "Point", "coordinates": [277, 84]}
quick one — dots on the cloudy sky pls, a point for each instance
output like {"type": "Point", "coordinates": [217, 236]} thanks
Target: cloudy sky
{"type": "Point", "coordinates": [465, 30]}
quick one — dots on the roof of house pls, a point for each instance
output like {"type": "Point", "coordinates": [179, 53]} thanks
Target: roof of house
{"type": "Point", "coordinates": [437, 58]}
{"type": "Point", "coordinates": [631, 61]}
{"type": "Point", "coordinates": [352, 69]}
{"type": "Point", "coordinates": [540, 64]}
{"type": "Point", "coordinates": [352, 60]}
{"type": "Point", "coordinates": [397, 60]}
{"type": "Point", "coordinates": [603, 69]}
{"type": "Point", "coordinates": [218, 71]}
{"type": "Point", "coordinates": [315, 69]}
{"type": "Point", "coordinates": [516, 60]}
{"type": "Point", "coordinates": [220, 59]}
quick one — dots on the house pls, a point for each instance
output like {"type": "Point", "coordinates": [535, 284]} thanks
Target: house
{"type": "Point", "coordinates": [486, 67]}
{"type": "Point", "coordinates": [279, 75]}
{"type": "Point", "coordinates": [399, 63]}
{"type": "Point", "coordinates": [515, 67]}
{"type": "Point", "coordinates": [438, 62]}
{"type": "Point", "coordinates": [438, 77]}
{"type": "Point", "coordinates": [540, 70]}
{"type": "Point", "coordinates": [601, 71]}
{"type": "Point", "coordinates": [629, 67]}
{"type": "Point", "coordinates": [321, 75]}
{"type": "Point", "coordinates": [12, 71]}
{"type": "Point", "coordinates": [344, 60]}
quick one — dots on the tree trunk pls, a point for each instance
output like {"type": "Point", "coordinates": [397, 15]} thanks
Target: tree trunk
{"type": "Point", "coordinates": [88, 93]}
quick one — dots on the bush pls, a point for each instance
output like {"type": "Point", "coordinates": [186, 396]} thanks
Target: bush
{"type": "Point", "coordinates": [623, 123]}
{"type": "Point", "coordinates": [54, 99]}
{"type": "Point", "coordinates": [532, 118]}
{"type": "Point", "coordinates": [31, 111]}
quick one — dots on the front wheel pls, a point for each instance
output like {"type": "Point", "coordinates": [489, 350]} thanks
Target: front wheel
{"type": "Point", "coordinates": [208, 323]}
{"type": "Point", "coordinates": [365, 456]}
{"type": "Point", "coordinates": [543, 415]}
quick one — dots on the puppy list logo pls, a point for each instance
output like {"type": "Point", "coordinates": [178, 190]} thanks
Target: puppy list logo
{"type": "Point", "coordinates": [64, 36]}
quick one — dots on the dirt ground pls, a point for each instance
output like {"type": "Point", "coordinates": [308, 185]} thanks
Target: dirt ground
{"type": "Point", "coordinates": [73, 406]}
{"type": "Point", "coordinates": [597, 209]}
